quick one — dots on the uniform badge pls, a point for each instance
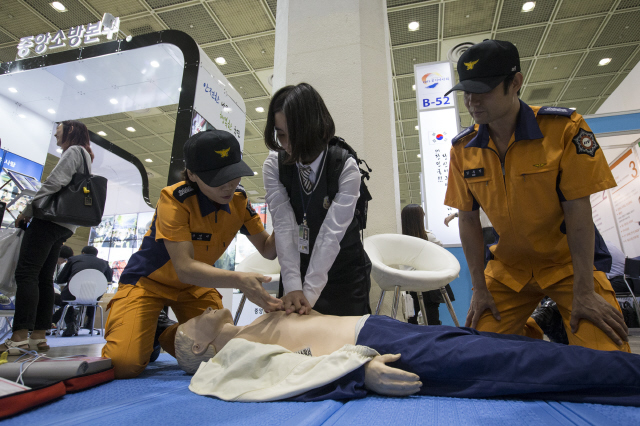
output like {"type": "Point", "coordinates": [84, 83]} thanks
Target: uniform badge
{"type": "Point", "coordinates": [326, 203]}
{"type": "Point", "coordinates": [585, 143]}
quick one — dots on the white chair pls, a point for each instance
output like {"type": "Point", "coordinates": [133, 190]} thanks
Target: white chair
{"type": "Point", "coordinates": [86, 286]}
{"type": "Point", "coordinates": [258, 264]}
{"type": "Point", "coordinates": [433, 268]}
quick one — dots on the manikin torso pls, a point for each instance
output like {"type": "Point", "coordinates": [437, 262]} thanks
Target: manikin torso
{"type": "Point", "coordinates": [322, 334]}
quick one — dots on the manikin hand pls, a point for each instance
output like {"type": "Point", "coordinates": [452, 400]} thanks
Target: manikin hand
{"type": "Point", "coordinates": [591, 306]}
{"type": "Point", "coordinates": [385, 380]}
{"type": "Point", "coordinates": [296, 302]}
{"type": "Point", "coordinates": [251, 285]}
{"type": "Point", "coordinates": [481, 300]}
{"type": "Point", "coordinates": [449, 219]}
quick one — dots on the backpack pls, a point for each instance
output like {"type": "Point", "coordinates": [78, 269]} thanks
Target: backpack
{"type": "Point", "coordinates": [333, 176]}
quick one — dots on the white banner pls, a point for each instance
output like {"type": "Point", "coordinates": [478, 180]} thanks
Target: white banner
{"type": "Point", "coordinates": [626, 201]}
{"type": "Point", "coordinates": [603, 217]}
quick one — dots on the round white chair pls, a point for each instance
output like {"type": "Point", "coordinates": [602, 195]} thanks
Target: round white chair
{"type": "Point", "coordinates": [86, 286]}
{"type": "Point", "coordinates": [432, 268]}
{"type": "Point", "coordinates": [258, 264]}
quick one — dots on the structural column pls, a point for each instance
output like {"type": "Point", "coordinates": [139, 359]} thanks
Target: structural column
{"type": "Point", "coordinates": [341, 48]}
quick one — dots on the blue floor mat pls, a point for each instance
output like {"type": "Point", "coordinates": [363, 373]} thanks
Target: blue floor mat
{"type": "Point", "coordinates": [160, 396]}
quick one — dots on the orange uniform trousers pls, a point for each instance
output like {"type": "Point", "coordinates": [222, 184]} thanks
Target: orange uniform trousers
{"type": "Point", "coordinates": [516, 307]}
{"type": "Point", "coordinates": [132, 322]}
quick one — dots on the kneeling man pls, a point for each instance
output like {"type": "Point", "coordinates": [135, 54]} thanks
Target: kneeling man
{"type": "Point", "coordinates": [315, 357]}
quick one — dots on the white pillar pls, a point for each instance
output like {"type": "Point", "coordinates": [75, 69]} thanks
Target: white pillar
{"type": "Point", "coordinates": [341, 48]}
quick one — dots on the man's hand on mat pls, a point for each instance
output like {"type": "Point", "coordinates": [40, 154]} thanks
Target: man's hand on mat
{"type": "Point", "coordinates": [481, 300]}
{"type": "Point", "coordinates": [296, 302]}
{"type": "Point", "coordinates": [591, 306]}
{"type": "Point", "coordinates": [251, 285]}
{"type": "Point", "coordinates": [385, 380]}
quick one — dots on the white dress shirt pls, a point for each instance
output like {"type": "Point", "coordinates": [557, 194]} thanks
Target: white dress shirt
{"type": "Point", "coordinates": [285, 227]}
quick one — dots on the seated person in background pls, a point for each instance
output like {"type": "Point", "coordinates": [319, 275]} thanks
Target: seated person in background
{"type": "Point", "coordinates": [313, 357]}
{"type": "Point", "coordinates": [88, 259]}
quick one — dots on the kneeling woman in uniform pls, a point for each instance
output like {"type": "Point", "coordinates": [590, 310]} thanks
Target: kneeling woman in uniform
{"type": "Point", "coordinates": [312, 187]}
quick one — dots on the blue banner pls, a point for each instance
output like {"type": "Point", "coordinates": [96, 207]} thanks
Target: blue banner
{"type": "Point", "coordinates": [22, 165]}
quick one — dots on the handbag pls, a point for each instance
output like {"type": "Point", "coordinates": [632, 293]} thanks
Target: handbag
{"type": "Point", "coordinates": [10, 241]}
{"type": "Point", "coordinates": [80, 203]}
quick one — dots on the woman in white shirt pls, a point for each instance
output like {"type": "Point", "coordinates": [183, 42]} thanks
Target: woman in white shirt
{"type": "Point", "coordinates": [312, 187]}
{"type": "Point", "coordinates": [42, 242]}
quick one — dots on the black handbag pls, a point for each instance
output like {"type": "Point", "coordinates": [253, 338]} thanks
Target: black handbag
{"type": "Point", "coordinates": [80, 203]}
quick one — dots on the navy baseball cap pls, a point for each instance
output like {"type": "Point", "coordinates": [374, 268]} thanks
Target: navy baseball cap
{"type": "Point", "coordinates": [485, 65]}
{"type": "Point", "coordinates": [215, 157]}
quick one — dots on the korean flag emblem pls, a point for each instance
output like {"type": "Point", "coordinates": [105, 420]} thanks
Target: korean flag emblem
{"type": "Point", "coordinates": [585, 143]}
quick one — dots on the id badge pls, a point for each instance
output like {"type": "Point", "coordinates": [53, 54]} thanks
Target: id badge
{"type": "Point", "coordinates": [303, 239]}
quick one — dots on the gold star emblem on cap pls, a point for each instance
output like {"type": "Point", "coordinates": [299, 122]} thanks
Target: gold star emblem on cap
{"type": "Point", "coordinates": [224, 152]}
{"type": "Point", "coordinates": [471, 64]}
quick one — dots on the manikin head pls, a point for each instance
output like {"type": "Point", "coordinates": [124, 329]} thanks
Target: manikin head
{"type": "Point", "coordinates": [196, 339]}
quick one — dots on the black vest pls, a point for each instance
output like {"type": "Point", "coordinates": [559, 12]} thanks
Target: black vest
{"type": "Point", "coordinates": [348, 284]}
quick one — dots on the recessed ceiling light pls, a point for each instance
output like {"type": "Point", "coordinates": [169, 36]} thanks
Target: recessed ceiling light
{"type": "Point", "coordinates": [113, 101]}
{"type": "Point", "coordinates": [220, 60]}
{"type": "Point", "coordinates": [573, 108]}
{"type": "Point", "coordinates": [13, 90]}
{"type": "Point", "coordinates": [419, 156]}
{"type": "Point", "coordinates": [22, 116]}
{"type": "Point", "coordinates": [528, 6]}
{"type": "Point", "coordinates": [255, 173]}
{"type": "Point", "coordinates": [130, 129]}
{"type": "Point", "coordinates": [604, 61]}
{"type": "Point", "coordinates": [59, 150]}
{"type": "Point", "coordinates": [51, 111]}
{"type": "Point", "coordinates": [414, 26]}
{"type": "Point", "coordinates": [58, 6]}
{"type": "Point", "coordinates": [413, 87]}
{"type": "Point", "coordinates": [148, 160]}
{"type": "Point", "coordinates": [259, 109]}
{"type": "Point", "coordinates": [80, 77]}
{"type": "Point", "coordinates": [155, 64]}
{"type": "Point", "coordinates": [101, 133]}
{"type": "Point", "coordinates": [417, 127]}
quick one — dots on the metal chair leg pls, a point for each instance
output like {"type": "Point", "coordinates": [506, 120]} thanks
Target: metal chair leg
{"type": "Point", "coordinates": [424, 311]}
{"type": "Point", "coordinates": [82, 318]}
{"type": "Point", "coordinates": [396, 300]}
{"type": "Point", "coordinates": [636, 305]}
{"type": "Point", "coordinates": [450, 306]}
{"type": "Point", "coordinates": [93, 319]}
{"type": "Point", "coordinates": [239, 311]}
{"type": "Point", "coordinates": [380, 302]}
{"type": "Point", "coordinates": [61, 322]}
{"type": "Point", "coordinates": [101, 319]}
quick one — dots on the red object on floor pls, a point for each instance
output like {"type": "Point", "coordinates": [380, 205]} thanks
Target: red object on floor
{"type": "Point", "coordinates": [19, 402]}
{"type": "Point", "coordinates": [77, 384]}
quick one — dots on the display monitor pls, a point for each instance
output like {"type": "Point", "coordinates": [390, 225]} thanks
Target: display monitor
{"type": "Point", "coordinates": [199, 124]}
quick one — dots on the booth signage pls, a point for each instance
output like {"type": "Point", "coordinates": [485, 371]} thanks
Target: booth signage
{"type": "Point", "coordinates": [76, 36]}
{"type": "Point", "coordinates": [437, 124]}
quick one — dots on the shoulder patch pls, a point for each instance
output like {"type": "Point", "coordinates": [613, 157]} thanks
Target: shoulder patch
{"type": "Point", "coordinates": [566, 112]}
{"type": "Point", "coordinates": [183, 192]}
{"type": "Point", "coordinates": [462, 134]}
{"type": "Point", "coordinates": [241, 190]}
{"type": "Point", "coordinates": [585, 143]}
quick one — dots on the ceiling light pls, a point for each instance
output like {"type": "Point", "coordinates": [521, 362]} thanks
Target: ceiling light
{"type": "Point", "coordinates": [414, 26]}
{"type": "Point", "coordinates": [573, 108]}
{"type": "Point", "coordinates": [416, 127]}
{"type": "Point", "coordinates": [22, 116]}
{"type": "Point", "coordinates": [13, 90]}
{"type": "Point", "coordinates": [259, 109]}
{"type": "Point", "coordinates": [80, 77]}
{"type": "Point", "coordinates": [220, 61]}
{"type": "Point", "coordinates": [255, 173]}
{"type": "Point", "coordinates": [528, 6]}
{"type": "Point", "coordinates": [419, 156]}
{"type": "Point", "coordinates": [59, 150]}
{"type": "Point", "coordinates": [413, 87]}
{"type": "Point", "coordinates": [51, 111]}
{"type": "Point", "coordinates": [130, 129]}
{"type": "Point", "coordinates": [148, 160]}
{"type": "Point", "coordinates": [604, 61]}
{"type": "Point", "coordinates": [58, 6]}
{"type": "Point", "coordinates": [101, 133]}
{"type": "Point", "coordinates": [113, 101]}
{"type": "Point", "coordinates": [155, 64]}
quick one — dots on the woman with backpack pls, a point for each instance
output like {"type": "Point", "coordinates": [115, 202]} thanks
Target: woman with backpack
{"type": "Point", "coordinates": [42, 242]}
{"type": "Point", "coordinates": [312, 183]}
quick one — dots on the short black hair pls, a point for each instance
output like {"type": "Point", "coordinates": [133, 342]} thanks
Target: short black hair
{"type": "Point", "coordinates": [309, 123]}
{"type": "Point", "coordinates": [65, 252]}
{"type": "Point", "coordinates": [507, 82]}
{"type": "Point", "coordinates": [90, 250]}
